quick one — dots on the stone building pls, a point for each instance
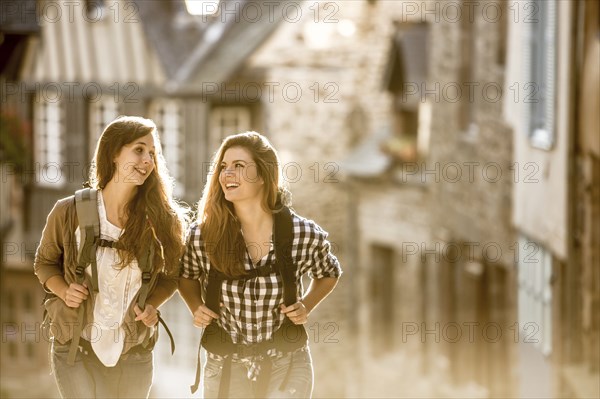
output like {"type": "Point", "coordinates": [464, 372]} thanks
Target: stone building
{"type": "Point", "coordinates": [433, 206]}
{"type": "Point", "coordinates": [192, 74]}
{"type": "Point", "coordinates": [581, 288]}
{"type": "Point", "coordinates": [471, 152]}
{"type": "Point", "coordinates": [406, 130]}
{"type": "Point", "coordinates": [556, 211]}
{"type": "Point", "coordinates": [505, 242]}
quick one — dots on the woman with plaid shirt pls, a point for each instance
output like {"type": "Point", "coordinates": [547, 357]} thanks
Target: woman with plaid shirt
{"type": "Point", "coordinates": [234, 236]}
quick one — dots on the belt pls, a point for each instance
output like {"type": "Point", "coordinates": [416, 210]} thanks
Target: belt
{"type": "Point", "coordinates": [85, 347]}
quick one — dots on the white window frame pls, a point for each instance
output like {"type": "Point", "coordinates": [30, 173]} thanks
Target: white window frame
{"type": "Point", "coordinates": [49, 141]}
{"type": "Point", "coordinates": [540, 56]}
{"type": "Point", "coordinates": [102, 112]}
{"type": "Point", "coordinates": [168, 116]}
{"type": "Point", "coordinates": [97, 9]}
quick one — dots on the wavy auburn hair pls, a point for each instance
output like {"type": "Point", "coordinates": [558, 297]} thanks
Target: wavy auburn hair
{"type": "Point", "coordinates": [152, 207]}
{"type": "Point", "coordinates": [221, 230]}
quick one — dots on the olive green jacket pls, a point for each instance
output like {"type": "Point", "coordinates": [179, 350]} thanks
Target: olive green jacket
{"type": "Point", "coordinates": [57, 255]}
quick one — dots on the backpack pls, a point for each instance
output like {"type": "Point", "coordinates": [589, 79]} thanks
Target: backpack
{"type": "Point", "coordinates": [89, 227]}
{"type": "Point", "coordinates": [287, 338]}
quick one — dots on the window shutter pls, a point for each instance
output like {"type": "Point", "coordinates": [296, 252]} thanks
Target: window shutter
{"type": "Point", "coordinates": [550, 44]}
{"type": "Point", "coordinates": [537, 268]}
{"type": "Point", "coordinates": [546, 331]}
{"type": "Point", "coordinates": [197, 155]}
{"type": "Point", "coordinates": [225, 121]}
{"type": "Point", "coordinates": [525, 89]}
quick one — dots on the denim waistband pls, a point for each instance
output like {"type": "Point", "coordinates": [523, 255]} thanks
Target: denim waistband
{"type": "Point", "coordinates": [85, 347]}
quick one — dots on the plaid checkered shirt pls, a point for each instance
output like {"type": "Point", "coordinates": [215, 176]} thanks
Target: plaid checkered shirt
{"type": "Point", "coordinates": [251, 310]}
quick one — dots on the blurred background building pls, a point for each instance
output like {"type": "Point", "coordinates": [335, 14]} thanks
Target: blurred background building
{"type": "Point", "coordinates": [450, 148]}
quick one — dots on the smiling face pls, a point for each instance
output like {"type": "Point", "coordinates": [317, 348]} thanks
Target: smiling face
{"type": "Point", "coordinates": [135, 161]}
{"type": "Point", "coordinates": [239, 177]}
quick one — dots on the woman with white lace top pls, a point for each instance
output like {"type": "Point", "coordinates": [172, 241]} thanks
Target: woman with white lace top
{"type": "Point", "coordinates": [112, 355]}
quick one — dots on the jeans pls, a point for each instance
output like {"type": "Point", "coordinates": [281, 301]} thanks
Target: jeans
{"type": "Point", "coordinates": [299, 384]}
{"type": "Point", "coordinates": [89, 378]}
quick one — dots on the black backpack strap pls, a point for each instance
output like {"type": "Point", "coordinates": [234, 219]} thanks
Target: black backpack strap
{"type": "Point", "coordinates": [289, 336]}
{"type": "Point", "coordinates": [212, 301]}
{"type": "Point", "coordinates": [196, 384]}
{"type": "Point", "coordinates": [283, 230]}
{"type": "Point", "coordinates": [261, 271]}
{"type": "Point", "coordinates": [146, 265]}
{"type": "Point", "coordinates": [164, 324]}
{"type": "Point", "coordinates": [86, 203]}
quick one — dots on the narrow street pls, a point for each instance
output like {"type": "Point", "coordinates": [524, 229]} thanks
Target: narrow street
{"type": "Point", "coordinates": [449, 149]}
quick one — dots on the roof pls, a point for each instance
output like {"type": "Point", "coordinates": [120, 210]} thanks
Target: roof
{"type": "Point", "coordinates": [18, 17]}
{"type": "Point", "coordinates": [198, 49]}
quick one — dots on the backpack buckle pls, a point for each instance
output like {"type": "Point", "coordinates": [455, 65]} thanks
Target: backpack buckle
{"type": "Point", "coordinates": [79, 271]}
{"type": "Point", "coordinates": [146, 277]}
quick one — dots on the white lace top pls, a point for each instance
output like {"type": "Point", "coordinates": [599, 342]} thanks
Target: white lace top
{"type": "Point", "coordinates": [117, 288]}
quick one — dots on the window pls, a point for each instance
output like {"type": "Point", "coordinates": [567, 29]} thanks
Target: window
{"type": "Point", "coordinates": [167, 115]}
{"type": "Point", "coordinates": [227, 120]}
{"type": "Point", "coordinates": [541, 56]}
{"type": "Point", "coordinates": [49, 141]}
{"type": "Point", "coordinates": [382, 299]}
{"type": "Point", "coordinates": [27, 302]}
{"type": "Point", "coordinates": [102, 112]}
{"type": "Point", "coordinates": [535, 294]}
{"type": "Point", "coordinates": [405, 78]}
{"type": "Point", "coordinates": [95, 9]}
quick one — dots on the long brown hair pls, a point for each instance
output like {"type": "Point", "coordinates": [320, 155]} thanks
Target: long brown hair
{"type": "Point", "coordinates": [152, 211]}
{"type": "Point", "coordinates": [221, 230]}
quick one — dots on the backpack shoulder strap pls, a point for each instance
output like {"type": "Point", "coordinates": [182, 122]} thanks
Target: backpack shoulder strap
{"type": "Point", "coordinates": [86, 203]}
{"type": "Point", "coordinates": [283, 232]}
{"type": "Point", "coordinates": [146, 265]}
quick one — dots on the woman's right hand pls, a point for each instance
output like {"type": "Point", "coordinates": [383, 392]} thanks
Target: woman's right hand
{"type": "Point", "coordinates": [203, 316]}
{"type": "Point", "coordinates": [75, 294]}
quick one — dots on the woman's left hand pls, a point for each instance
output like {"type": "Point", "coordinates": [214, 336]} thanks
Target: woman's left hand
{"type": "Point", "coordinates": [297, 312]}
{"type": "Point", "coordinates": [148, 316]}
